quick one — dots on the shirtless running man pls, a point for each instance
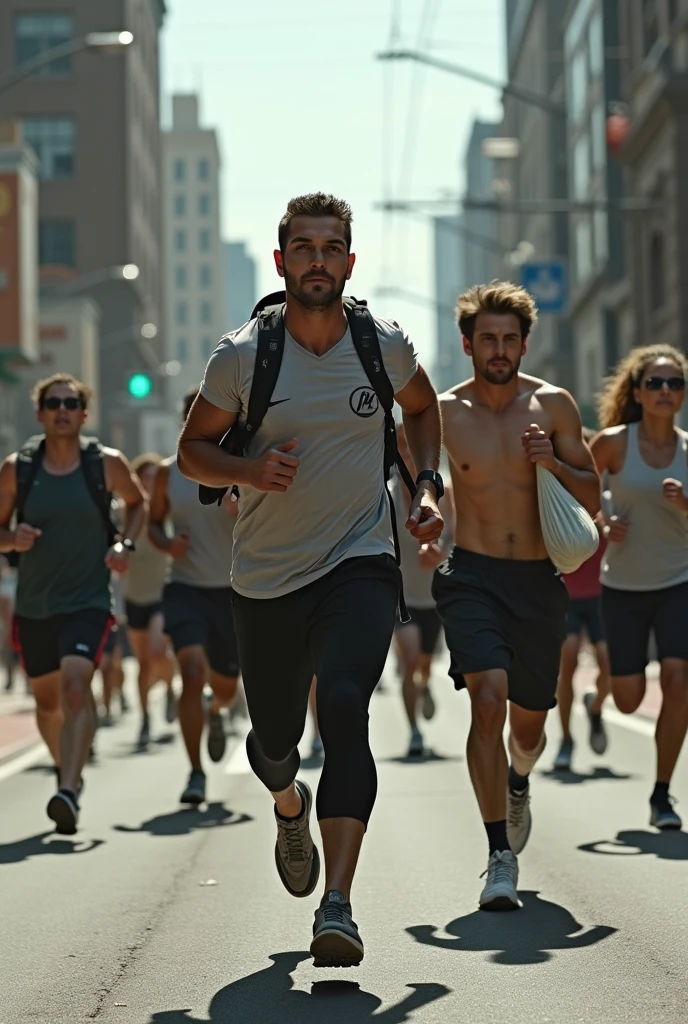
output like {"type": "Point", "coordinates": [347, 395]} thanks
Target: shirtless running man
{"type": "Point", "coordinates": [499, 596]}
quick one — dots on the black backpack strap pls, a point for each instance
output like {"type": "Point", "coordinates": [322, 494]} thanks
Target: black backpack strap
{"type": "Point", "coordinates": [367, 344]}
{"type": "Point", "coordinates": [269, 352]}
{"type": "Point", "coordinates": [29, 458]}
{"type": "Point", "coordinates": [93, 467]}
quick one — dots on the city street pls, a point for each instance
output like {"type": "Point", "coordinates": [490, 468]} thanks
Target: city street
{"type": "Point", "coordinates": [155, 914]}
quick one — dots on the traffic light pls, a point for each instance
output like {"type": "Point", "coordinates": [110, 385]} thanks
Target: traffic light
{"type": "Point", "coordinates": [140, 385]}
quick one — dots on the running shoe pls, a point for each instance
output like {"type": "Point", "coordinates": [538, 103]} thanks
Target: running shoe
{"type": "Point", "coordinates": [500, 892]}
{"type": "Point", "coordinates": [296, 856]}
{"type": "Point", "coordinates": [124, 705]}
{"type": "Point", "coordinates": [662, 813]}
{"type": "Point", "coordinates": [336, 942]}
{"type": "Point", "coordinates": [195, 788]}
{"type": "Point", "coordinates": [106, 720]}
{"type": "Point", "coordinates": [144, 734]}
{"type": "Point", "coordinates": [427, 704]}
{"type": "Point", "coordinates": [170, 707]}
{"type": "Point", "coordinates": [217, 741]}
{"type": "Point", "coordinates": [519, 820]}
{"type": "Point", "coordinates": [317, 748]}
{"type": "Point", "coordinates": [562, 762]}
{"type": "Point", "coordinates": [63, 809]}
{"type": "Point", "coordinates": [416, 745]}
{"type": "Point", "coordinates": [598, 733]}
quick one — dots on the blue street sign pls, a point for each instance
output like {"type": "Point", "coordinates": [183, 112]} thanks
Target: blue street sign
{"type": "Point", "coordinates": [546, 282]}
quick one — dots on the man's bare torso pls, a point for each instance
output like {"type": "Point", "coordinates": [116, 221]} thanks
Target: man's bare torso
{"type": "Point", "coordinates": [494, 482]}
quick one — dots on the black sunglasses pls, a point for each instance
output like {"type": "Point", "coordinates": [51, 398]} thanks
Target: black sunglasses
{"type": "Point", "coordinates": [54, 403]}
{"type": "Point", "coordinates": [657, 383]}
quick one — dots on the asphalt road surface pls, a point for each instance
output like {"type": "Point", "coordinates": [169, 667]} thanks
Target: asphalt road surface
{"type": "Point", "coordinates": [156, 915]}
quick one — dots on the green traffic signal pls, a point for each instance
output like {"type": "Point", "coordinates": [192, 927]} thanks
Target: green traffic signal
{"type": "Point", "coordinates": [140, 385]}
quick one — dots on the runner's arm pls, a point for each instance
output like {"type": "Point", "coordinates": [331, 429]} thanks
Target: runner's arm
{"type": "Point", "coordinates": [120, 479]}
{"type": "Point", "coordinates": [569, 457]}
{"type": "Point", "coordinates": [199, 455]}
{"type": "Point", "coordinates": [159, 510]}
{"type": "Point", "coordinates": [423, 427]}
{"type": "Point", "coordinates": [8, 497]}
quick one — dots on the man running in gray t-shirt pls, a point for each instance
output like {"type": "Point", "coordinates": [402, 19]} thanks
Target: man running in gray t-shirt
{"type": "Point", "coordinates": [315, 585]}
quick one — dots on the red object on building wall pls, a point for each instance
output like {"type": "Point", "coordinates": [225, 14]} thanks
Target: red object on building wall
{"type": "Point", "coordinates": [618, 130]}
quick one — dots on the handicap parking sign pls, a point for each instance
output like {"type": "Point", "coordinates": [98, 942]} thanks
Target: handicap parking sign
{"type": "Point", "coordinates": [546, 282]}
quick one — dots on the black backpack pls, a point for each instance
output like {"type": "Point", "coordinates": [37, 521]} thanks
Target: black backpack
{"type": "Point", "coordinates": [29, 458]}
{"type": "Point", "coordinates": [270, 314]}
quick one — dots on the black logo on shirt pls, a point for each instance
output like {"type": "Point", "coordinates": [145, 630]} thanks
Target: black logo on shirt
{"type": "Point", "coordinates": [363, 402]}
{"type": "Point", "coordinates": [278, 402]}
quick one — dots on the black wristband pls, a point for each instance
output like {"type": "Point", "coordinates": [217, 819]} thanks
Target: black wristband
{"type": "Point", "coordinates": [434, 478]}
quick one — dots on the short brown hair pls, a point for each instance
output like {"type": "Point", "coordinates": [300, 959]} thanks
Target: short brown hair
{"type": "Point", "coordinates": [40, 390]}
{"type": "Point", "coordinates": [142, 462]}
{"type": "Point", "coordinates": [495, 297]}
{"type": "Point", "coordinates": [315, 204]}
{"type": "Point", "coordinates": [188, 400]}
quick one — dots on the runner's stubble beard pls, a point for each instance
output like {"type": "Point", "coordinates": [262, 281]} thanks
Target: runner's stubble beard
{"type": "Point", "coordinates": [317, 300]}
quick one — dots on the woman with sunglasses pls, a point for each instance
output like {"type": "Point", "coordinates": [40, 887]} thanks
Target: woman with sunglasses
{"type": "Point", "coordinates": [645, 567]}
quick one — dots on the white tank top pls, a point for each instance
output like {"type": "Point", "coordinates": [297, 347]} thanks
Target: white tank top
{"type": "Point", "coordinates": [654, 554]}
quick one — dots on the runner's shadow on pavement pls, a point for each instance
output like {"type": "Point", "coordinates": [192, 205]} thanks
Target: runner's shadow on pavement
{"type": "Point", "coordinates": [187, 820]}
{"type": "Point", "coordinates": [576, 778]}
{"type": "Point", "coordinates": [669, 845]}
{"type": "Point", "coordinates": [427, 757]}
{"type": "Point", "coordinates": [154, 745]}
{"type": "Point", "coordinates": [269, 997]}
{"type": "Point", "coordinates": [45, 843]}
{"type": "Point", "coordinates": [529, 936]}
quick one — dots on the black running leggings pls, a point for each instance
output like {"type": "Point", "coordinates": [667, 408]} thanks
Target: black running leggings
{"type": "Point", "coordinates": [339, 629]}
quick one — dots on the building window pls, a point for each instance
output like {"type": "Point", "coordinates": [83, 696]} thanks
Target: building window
{"type": "Point", "coordinates": [180, 241]}
{"type": "Point", "coordinates": [578, 84]}
{"type": "Point", "coordinates": [657, 271]}
{"type": "Point", "coordinates": [206, 312]}
{"type": "Point", "coordinates": [204, 204]}
{"type": "Point", "coordinates": [53, 140]}
{"type": "Point", "coordinates": [583, 243]}
{"type": "Point", "coordinates": [204, 170]}
{"type": "Point", "coordinates": [204, 240]}
{"type": "Point", "coordinates": [598, 136]}
{"type": "Point", "coordinates": [650, 25]}
{"type": "Point", "coordinates": [182, 350]}
{"type": "Point", "coordinates": [36, 33]}
{"type": "Point", "coordinates": [181, 314]}
{"type": "Point", "coordinates": [581, 167]}
{"type": "Point", "coordinates": [596, 44]}
{"type": "Point", "coordinates": [204, 275]}
{"type": "Point", "coordinates": [207, 347]}
{"type": "Point", "coordinates": [179, 170]}
{"type": "Point", "coordinates": [180, 277]}
{"type": "Point", "coordinates": [180, 206]}
{"type": "Point", "coordinates": [57, 242]}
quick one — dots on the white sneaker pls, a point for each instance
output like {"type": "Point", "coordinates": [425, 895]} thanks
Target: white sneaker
{"type": "Point", "coordinates": [500, 892]}
{"type": "Point", "coordinates": [519, 820]}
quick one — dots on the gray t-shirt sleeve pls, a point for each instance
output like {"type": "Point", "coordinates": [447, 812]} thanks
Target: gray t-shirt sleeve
{"type": "Point", "coordinates": [398, 353]}
{"type": "Point", "coordinates": [221, 384]}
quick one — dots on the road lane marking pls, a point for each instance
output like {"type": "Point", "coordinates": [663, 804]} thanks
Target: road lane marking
{"type": "Point", "coordinates": [24, 761]}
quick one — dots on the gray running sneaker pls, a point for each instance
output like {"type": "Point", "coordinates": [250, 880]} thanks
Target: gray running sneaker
{"type": "Point", "coordinates": [195, 789]}
{"type": "Point", "coordinates": [562, 762]}
{"type": "Point", "coordinates": [500, 892]}
{"type": "Point", "coordinates": [317, 749]}
{"type": "Point", "coordinates": [217, 741]}
{"type": "Point", "coordinates": [598, 733]}
{"type": "Point", "coordinates": [336, 942]}
{"type": "Point", "coordinates": [296, 857]}
{"type": "Point", "coordinates": [416, 748]}
{"type": "Point", "coordinates": [519, 820]}
{"type": "Point", "coordinates": [144, 734]}
{"type": "Point", "coordinates": [427, 704]}
{"type": "Point", "coordinates": [663, 816]}
{"type": "Point", "coordinates": [170, 707]}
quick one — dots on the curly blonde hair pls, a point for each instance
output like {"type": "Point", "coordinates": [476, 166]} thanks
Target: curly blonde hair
{"type": "Point", "coordinates": [495, 297]}
{"type": "Point", "coordinates": [615, 402]}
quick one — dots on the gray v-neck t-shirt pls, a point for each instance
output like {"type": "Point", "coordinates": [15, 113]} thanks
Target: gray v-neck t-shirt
{"type": "Point", "coordinates": [337, 506]}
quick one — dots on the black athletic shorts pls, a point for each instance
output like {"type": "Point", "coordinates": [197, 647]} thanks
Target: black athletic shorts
{"type": "Point", "coordinates": [585, 616]}
{"type": "Point", "coordinates": [140, 615]}
{"type": "Point", "coordinates": [203, 616]}
{"type": "Point", "coordinates": [504, 613]}
{"type": "Point", "coordinates": [631, 616]}
{"type": "Point", "coordinates": [430, 625]}
{"type": "Point", "coordinates": [42, 643]}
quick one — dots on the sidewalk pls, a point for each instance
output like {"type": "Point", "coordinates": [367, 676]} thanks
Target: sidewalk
{"type": "Point", "coordinates": [18, 730]}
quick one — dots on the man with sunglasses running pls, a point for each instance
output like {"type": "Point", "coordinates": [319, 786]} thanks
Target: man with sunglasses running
{"type": "Point", "coordinates": [63, 610]}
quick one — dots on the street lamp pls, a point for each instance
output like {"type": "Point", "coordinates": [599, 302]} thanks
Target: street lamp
{"type": "Point", "coordinates": [118, 272]}
{"type": "Point", "coordinates": [112, 43]}
{"type": "Point", "coordinates": [519, 92]}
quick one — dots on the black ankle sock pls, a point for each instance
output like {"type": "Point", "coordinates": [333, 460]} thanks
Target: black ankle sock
{"type": "Point", "coordinates": [660, 792]}
{"type": "Point", "coordinates": [496, 835]}
{"type": "Point", "coordinates": [517, 783]}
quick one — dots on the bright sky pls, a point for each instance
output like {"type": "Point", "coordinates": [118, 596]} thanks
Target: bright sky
{"type": "Point", "coordinates": [300, 105]}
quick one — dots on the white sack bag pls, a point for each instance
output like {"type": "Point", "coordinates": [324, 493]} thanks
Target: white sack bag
{"type": "Point", "coordinates": [569, 533]}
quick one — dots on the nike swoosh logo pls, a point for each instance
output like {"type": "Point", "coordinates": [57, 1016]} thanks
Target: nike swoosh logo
{"type": "Point", "coordinates": [278, 402]}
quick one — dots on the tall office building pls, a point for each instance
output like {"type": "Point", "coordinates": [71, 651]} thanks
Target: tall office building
{"type": "Point", "coordinates": [194, 254]}
{"type": "Point", "coordinates": [240, 284]}
{"type": "Point", "coordinates": [481, 226]}
{"type": "Point", "coordinates": [93, 121]}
